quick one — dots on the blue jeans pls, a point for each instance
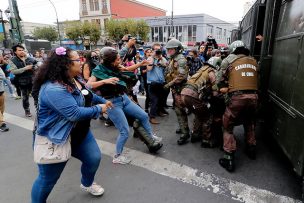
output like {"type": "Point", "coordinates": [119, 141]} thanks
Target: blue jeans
{"type": "Point", "coordinates": [7, 81]}
{"type": "Point", "coordinates": [87, 152]}
{"type": "Point", "coordinates": [124, 106]}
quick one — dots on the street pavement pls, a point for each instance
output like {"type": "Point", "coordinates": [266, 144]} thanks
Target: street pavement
{"type": "Point", "coordinates": [182, 174]}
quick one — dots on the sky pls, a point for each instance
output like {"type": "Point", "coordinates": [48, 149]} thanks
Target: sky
{"type": "Point", "coordinates": [41, 11]}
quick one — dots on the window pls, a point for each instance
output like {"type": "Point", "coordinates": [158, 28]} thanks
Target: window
{"type": "Point", "coordinates": [97, 21]}
{"type": "Point", "coordinates": [104, 7]}
{"type": "Point", "coordinates": [209, 30]}
{"type": "Point", "coordinates": [218, 33]}
{"type": "Point", "coordinates": [84, 7]}
{"type": "Point", "coordinates": [94, 5]}
{"type": "Point", "coordinates": [161, 36]}
{"type": "Point", "coordinates": [189, 32]}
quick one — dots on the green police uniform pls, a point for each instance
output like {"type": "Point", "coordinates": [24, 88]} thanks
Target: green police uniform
{"type": "Point", "coordinates": [176, 77]}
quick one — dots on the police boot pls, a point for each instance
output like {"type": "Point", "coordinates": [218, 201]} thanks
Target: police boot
{"type": "Point", "coordinates": [178, 131]}
{"type": "Point", "coordinates": [208, 144]}
{"type": "Point", "coordinates": [195, 138]}
{"type": "Point", "coordinates": [152, 144]}
{"type": "Point", "coordinates": [183, 139]}
{"type": "Point", "coordinates": [227, 161]}
{"type": "Point", "coordinates": [250, 151]}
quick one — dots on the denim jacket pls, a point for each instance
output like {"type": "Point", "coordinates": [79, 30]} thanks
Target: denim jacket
{"type": "Point", "coordinates": [59, 110]}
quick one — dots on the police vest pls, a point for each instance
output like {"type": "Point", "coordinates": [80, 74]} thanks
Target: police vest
{"type": "Point", "coordinates": [243, 74]}
{"type": "Point", "coordinates": [200, 79]}
{"type": "Point", "coordinates": [176, 66]}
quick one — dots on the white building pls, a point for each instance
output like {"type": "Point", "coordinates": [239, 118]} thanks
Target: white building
{"type": "Point", "coordinates": [29, 27]}
{"type": "Point", "coordinates": [95, 11]}
{"type": "Point", "coordinates": [189, 29]}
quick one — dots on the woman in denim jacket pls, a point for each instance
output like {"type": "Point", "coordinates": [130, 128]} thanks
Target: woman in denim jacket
{"type": "Point", "coordinates": [65, 109]}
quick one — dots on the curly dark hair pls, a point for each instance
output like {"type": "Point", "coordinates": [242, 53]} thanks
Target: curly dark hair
{"type": "Point", "coordinates": [54, 69]}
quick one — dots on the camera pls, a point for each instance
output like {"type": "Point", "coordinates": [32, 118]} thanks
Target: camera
{"type": "Point", "coordinates": [158, 52]}
{"type": "Point", "coordinates": [189, 58]}
{"type": "Point", "coordinates": [211, 42]}
{"type": "Point", "coordinates": [139, 41]}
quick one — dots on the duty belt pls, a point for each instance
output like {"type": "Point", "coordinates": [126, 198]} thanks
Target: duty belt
{"type": "Point", "coordinates": [191, 87]}
{"type": "Point", "coordinates": [239, 92]}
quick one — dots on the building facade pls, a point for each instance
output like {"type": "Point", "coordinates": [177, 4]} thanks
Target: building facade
{"type": "Point", "coordinates": [100, 11]}
{"type": "Point", "coordinates": [29, 27]}
{"type": "Point", "coordinates": [189, 29]}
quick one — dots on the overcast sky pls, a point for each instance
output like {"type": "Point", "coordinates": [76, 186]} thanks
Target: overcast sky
{"type": "Point", "coordinates": [41, 10]}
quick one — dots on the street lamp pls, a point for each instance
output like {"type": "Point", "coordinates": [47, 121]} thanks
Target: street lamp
{"type": "Point", "coordinates": [57, 21]}
{"type": "Point", "coordinates": [3, 26]}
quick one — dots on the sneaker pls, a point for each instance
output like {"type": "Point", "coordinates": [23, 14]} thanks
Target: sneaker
{"type": "Point", "coordinates": [17, 97]}
{"type": "Point", "coordinates": [13, 96]}
{"type": "Point", "coordinates": [3, 127]}
{"type": "Point", "coordinates": [156, 138]}
{"type": "Point", "coordinates": [109, 123]}
{"type": "Point", "coordinates": [94, 189]}
{"type": "Point", "coordinates": [120, 159]}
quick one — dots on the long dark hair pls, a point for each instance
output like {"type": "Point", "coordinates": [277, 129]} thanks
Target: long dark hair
{"type": "Point", "coordinates": [54, 69]}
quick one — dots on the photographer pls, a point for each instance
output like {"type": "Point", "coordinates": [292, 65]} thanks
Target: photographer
{"type": "Point", "coordinates": [210, 45]}
{"type": "Point", "coordinates": [193, 62]}
{"type": "Point", "coordinates": [128, 52]}
{"type": "Point", "coordinates": [156, 81]}
{"type": "Point", "coordinates": [23, 68]}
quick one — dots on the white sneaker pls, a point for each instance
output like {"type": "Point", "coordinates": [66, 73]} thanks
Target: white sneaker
{"type": "Point", "coordinates": [13, 96]}
{"type": "Point", "coordinates": [121, 159]}
{"type": "Point", "coordinates": [94, 189]}
{"type": "Point", "coordinates": [156, 138]}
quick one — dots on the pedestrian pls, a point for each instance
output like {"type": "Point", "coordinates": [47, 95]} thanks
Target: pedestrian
{"type": "Point", "coordinates": [91, 61]}
{"type": "Point", "coordinates": [23, 68]}
{"type": "Point", "coordinates": [115, 91]}
{"type": "Point", "coordinates": [4, 63]}
{"type": "Point", "coordinates": [64, 113]}
{"type": "Point", "coordinates": [238, 77]}
{"type": "Point", "coordinates": [193, 62]}
{"type": "Point", "coordinates": [3, 127]}
{"type": "Point", "coordinates": [176, 77]}
{"type": "Point", "coordinates": [156, 82]}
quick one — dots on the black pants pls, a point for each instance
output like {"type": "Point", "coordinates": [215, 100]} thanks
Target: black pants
{"type": "Point", "coordinates": [26, 91]}
{"type": "Point", "coordinates": [157, 95]}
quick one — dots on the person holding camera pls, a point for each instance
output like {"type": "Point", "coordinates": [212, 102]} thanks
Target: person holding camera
{"type": "Point", "coordinates": [23, 68]}
{"type": "Point", "coordinates": [156, 81]}
{"type": "Point", "coordinates": [193, 62]}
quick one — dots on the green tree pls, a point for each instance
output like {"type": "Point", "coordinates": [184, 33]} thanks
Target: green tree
{"type": "Point", "coordinates": [1, 37]}
{"type": "Point", "coordinates": [77, 29]}
{"type": "Point", "coordinates": [116, 29]}
{"type": "Point", "coordinates": [48, 33]}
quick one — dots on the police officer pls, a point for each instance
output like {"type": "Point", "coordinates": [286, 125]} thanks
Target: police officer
{"type": "Point", "coordinates": [176, 77]}
{"type": "Point", "coordinates": [239, 79]}
{"type": "Point", "coordinates": [218, 105]}
{"type": "Point", "coordinates": [195, 96]}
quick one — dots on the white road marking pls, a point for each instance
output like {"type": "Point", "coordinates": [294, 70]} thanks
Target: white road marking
{"type": "Point", "coordinates": [218, 185]}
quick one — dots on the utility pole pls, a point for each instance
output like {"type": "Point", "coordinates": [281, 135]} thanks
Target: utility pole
{"type": "Point", "coordinates": [172, 28]}
{"type": "Point", "coordinates": [16, 30]}
{"type": "Point", "coordinates": [57, 22]}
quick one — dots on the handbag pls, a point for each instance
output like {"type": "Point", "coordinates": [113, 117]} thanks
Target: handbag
{"type": "Point", "coordinates": [46, 152]}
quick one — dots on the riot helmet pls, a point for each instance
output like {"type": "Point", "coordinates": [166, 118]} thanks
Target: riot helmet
{"type": "Point", "coordinates": [236, 44]}
{"type": "Point", "coordinates": [175, 44]}
{"type": "Point", "coordinates": [215, 62]}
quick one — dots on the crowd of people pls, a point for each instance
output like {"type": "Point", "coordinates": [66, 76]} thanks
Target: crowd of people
{"type": "Point", "coordinates": [69, 88]}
